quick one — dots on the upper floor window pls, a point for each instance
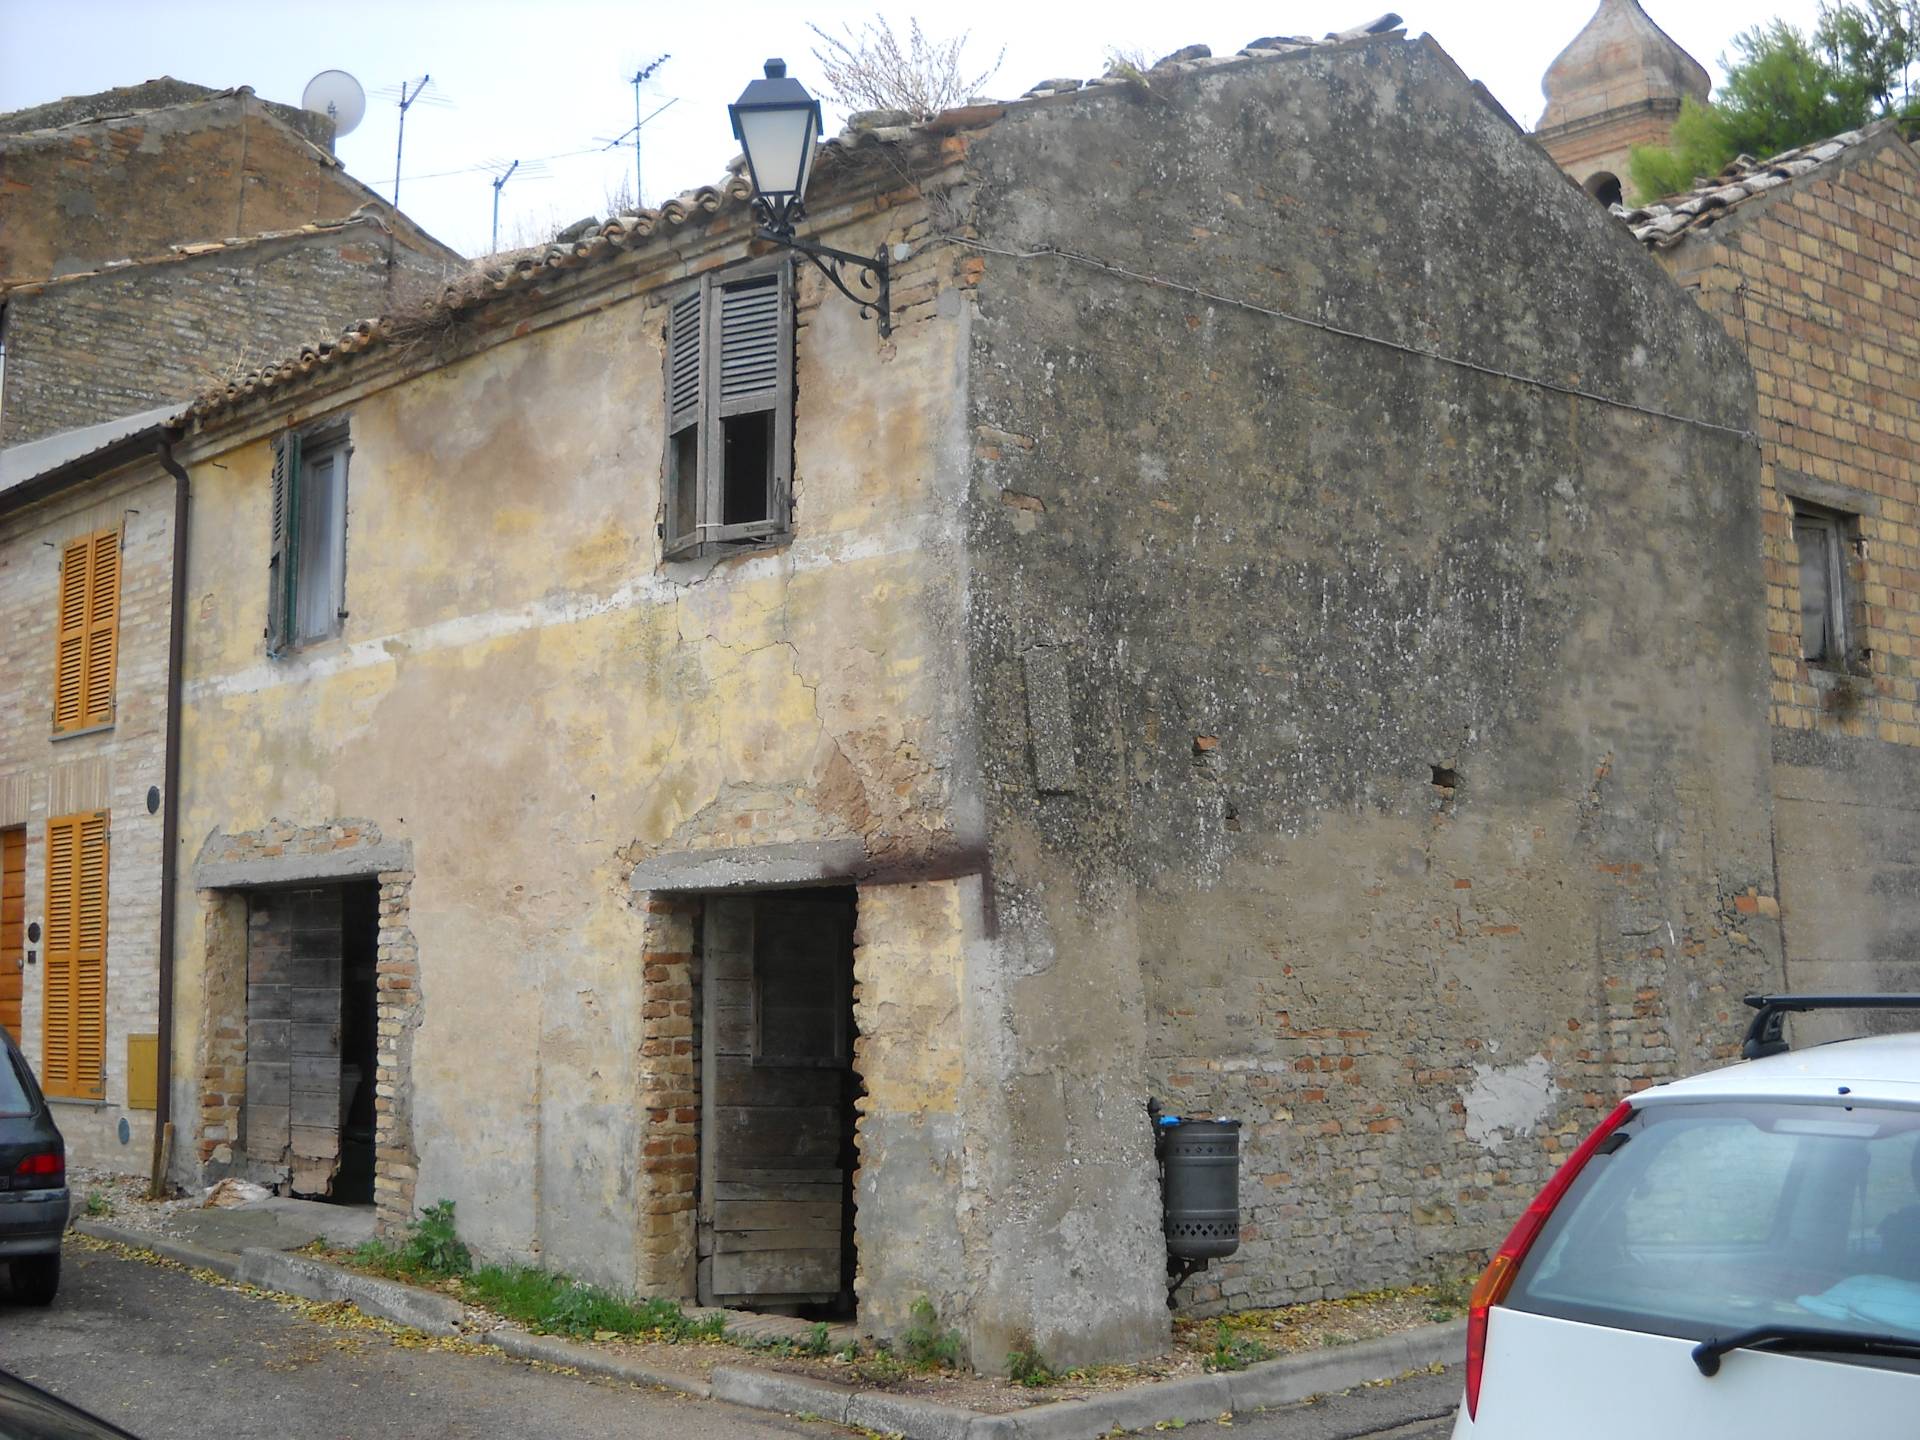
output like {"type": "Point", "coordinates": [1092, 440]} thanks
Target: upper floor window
{"type": "Point", "coordinates": [1824, 539]}
{"type": "Point", "coordinates": [306, 598]}
{"type": "Point", "coordinates": [730, 411]}
{"type": "Point", "coordinates": [87, 632]}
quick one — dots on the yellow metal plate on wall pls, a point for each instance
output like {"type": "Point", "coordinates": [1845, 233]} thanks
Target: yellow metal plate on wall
{"type": "Point", "coordinates": [143, 1072]}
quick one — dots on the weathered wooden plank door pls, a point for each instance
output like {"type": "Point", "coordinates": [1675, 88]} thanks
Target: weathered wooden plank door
{"type": "Point", "coordinates": [13, 916]}
{"type": "Point", "coordinates": [294, 943]}
{"type": "Point", "coordinates": [775, 1059]}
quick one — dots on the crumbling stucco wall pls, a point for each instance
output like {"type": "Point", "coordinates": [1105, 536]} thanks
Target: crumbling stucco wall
{"type": "Point", "coordinates": [531, 701]}
{"type": "Point", "coordinates": [1374, 748]}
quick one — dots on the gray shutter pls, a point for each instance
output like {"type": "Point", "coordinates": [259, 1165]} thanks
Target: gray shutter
{"type": "Point", "coordinates": [683, 364]}
{"type": "Point", "coordinates": [281, 562]}
{"type": "Point", "coordinates": [753, 333]}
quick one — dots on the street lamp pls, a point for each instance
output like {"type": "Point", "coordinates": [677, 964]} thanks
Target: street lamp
{"type": "Point", "coordinates": [778, 126]}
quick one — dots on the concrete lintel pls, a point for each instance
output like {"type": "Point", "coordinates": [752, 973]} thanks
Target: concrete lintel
{"type": "Point", "coordinates": [754, 867]}
{"type": "Point", "coordinates": [360, 862]}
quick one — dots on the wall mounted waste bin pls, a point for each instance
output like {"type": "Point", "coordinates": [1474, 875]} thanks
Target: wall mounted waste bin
{"type": "Point", "coordinates": [1200, 1184]}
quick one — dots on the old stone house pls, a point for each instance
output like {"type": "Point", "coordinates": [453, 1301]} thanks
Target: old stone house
{"type": "Point", "coordinates": [156, 238]}
{"type": "Point", "coordinates": [761, 804]}
{"type": "Point", "coordinates": [1808, 259]}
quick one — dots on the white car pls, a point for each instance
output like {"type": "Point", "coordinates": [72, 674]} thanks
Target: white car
{"type": "Point", "coordinates": [1734, 1254]}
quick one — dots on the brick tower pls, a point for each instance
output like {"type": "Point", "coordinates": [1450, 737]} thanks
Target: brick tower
{"type": "Point", "coordinates": [1619, 84]}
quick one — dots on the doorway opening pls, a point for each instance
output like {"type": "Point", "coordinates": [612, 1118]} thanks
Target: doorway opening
{"type": "Point", "coordinates": [778, 1102]}
{"type": "Point", "coordinates": [312, 1032]}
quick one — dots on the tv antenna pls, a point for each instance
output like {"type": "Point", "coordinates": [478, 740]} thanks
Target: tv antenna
{"type": "Point", "coordinates": [640, 77]}
{"type": "Point", "coordinates": [408, 94]}
{"type": "Point", "coordinates": [534, 170]}
{"type": "Point", "coordinates": [338, 96]}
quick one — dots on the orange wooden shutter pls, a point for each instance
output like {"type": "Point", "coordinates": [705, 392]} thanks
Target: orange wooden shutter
{"type": "Point", "coordinates": [74, 1015]}
{"type": "Point", "coordinates": [70, 667]}
{"type": "Point", "coordinates": [103, 626]}
{"type": "Point", "coordinates": [89, 630]}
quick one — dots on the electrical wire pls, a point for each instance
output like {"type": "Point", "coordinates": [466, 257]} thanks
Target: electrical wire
{"type": "Point", "coordinates": [1056, 252]}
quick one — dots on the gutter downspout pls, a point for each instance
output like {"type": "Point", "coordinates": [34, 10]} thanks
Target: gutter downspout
{"type": "Point", "coordinates": [170, 823]}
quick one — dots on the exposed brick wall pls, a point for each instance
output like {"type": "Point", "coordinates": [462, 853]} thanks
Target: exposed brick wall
{"type": "Point", "coordinates": [1819, 283]}
{"type": "Point", "coordinates": [670, 1097]}
{"type": "Point", "coordinates": [93, 348]}
{"type": "Point", "coordinates": [395, 1160]}
{"type": "Point", "coordinates": [110, 769]}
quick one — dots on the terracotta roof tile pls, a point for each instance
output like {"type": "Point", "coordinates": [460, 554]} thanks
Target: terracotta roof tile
{"type": "Point", "coordinates": [1665, 223]}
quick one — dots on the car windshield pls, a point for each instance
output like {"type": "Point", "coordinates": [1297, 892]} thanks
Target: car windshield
{"type": "Point", "coordinates": [1700, 1220]}
{"type": "Point", "coordinates": [16, 1095]}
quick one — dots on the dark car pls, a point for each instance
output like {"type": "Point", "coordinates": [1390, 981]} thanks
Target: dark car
{"type": "Point", "coordinates": [33, 1181]}
{"type": "Point", "coordinates": [30, 1413]}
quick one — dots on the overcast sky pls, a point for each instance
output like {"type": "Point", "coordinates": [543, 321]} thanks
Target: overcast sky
{"type": "Point", "coordinates": [547, 81]}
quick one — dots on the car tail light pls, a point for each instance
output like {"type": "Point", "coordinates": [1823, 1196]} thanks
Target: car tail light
{"type": "Point", "coordinates": [1497, 1278]}
{"type": "Point", "coordinates": [45, 1171]}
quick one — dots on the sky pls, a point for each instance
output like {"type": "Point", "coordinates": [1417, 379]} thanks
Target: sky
{"type": "Point", "coordinates": [547, 82]}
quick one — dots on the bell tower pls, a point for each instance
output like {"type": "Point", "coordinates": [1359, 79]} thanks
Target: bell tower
{"type": "Point", "coordinates": [1619, 84]}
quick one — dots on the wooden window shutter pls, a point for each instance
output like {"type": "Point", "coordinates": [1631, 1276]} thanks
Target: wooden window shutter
{"type": "Point", "coordinates": [74, 1015]}
{"type": "Point", "coordinates": [70, 649]}
{"type": "Point", "coordinates": [103, 626]}
{"type": "Point", "coordinates": [683, 363]}
{"type": "Point", "coordinates": [282, 562]}
{"type": "Point", "coordinates": [753, 373]}
{"type": "Point", "coordinates": [88, 632]}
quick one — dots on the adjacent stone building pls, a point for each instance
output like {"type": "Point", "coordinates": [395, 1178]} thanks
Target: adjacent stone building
{"type": "Point", "coordinates": [156, 239]}
{"type": "Point", "coordinates": [1619, 84]}
{"type": "Point", "coordinates": [763, 803]}
{"type": "Point", "coordinates": [1809, 261]}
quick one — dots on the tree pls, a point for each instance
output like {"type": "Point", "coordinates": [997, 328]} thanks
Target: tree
{"type": "Point", "coordinates": [870, 69]}
{"type": "Point", "coordinates": [1787, 89]}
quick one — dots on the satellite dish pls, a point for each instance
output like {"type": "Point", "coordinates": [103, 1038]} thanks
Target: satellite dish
{"type": "Point", "coordinates": [338, 96]}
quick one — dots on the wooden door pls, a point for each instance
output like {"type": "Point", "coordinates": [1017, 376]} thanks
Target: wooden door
{"type": "Point", "coordinates": [775, 1075]}
{"type": "Point", "coordinates": [13, 917]}
{"type": "Point", "coordinates": [294, 963]}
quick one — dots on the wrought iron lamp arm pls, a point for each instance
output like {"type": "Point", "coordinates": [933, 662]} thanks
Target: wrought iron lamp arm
{"type": "Point", "coordinates": [830, 263]}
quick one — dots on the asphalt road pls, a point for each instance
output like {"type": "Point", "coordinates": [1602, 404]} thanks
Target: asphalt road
{"type": "Point", "coordinates": [167, 1356]}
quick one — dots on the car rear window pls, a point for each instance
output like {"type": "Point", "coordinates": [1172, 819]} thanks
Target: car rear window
{"type": "Point", "coordinates": [1697, 1220]}
{"type": "Point", "coordinates": [16, 1090]}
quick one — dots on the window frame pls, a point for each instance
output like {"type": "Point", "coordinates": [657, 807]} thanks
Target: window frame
{"type": "Point", "coordinates": [1837, 532]}
{"type": "Point", "coordinates": [706, 416]}
{"type": "Point", "coordinates": [294, 452]}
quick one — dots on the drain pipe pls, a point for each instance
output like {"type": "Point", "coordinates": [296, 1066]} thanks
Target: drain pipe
{"type": "Point", "coordinates": [170, 825]}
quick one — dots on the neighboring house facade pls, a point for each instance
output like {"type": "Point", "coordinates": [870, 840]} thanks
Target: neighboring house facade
{"type": "Point", "coordinates": [1620, 83]}
{"type": "Point", "coordinates": [156, 238]}
{"type": "Point", "coordinates": [751, 809]}
{"type": "Point", "coordinates": [1809, 261]}
{"type": "Point", "coordinates": [93, 345]}
{"type": "Point", "coordinates": [87, 523]}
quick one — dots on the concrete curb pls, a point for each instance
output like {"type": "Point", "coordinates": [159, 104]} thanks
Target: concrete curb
{"type": "Point", "coordinates": [408, 1305]}
{"type": "Point", "coordinates": [551, 1350]}
{"type": "Point", "coordinates": [1285, 1381]}
{"type": "Point", "coordinates": [223, 1263]}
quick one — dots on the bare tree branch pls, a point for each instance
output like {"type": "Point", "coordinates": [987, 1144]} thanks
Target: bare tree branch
{"type": "Point", "coordinates": [870, 69]}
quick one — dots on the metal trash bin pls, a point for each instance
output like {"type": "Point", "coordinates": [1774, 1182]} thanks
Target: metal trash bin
{"type": "Point", "coordinates": [1200, 1186]}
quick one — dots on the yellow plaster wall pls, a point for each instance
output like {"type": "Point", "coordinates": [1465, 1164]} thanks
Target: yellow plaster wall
{"type": "Point", "coordinates": [530, 700]}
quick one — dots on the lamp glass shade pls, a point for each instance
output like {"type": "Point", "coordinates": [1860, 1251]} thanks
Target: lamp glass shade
{"type": "Point", "coordinates": [779, 142]}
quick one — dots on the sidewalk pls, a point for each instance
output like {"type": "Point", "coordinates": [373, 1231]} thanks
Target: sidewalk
{"type": "Point", "coordinates": [1136, 1407]}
